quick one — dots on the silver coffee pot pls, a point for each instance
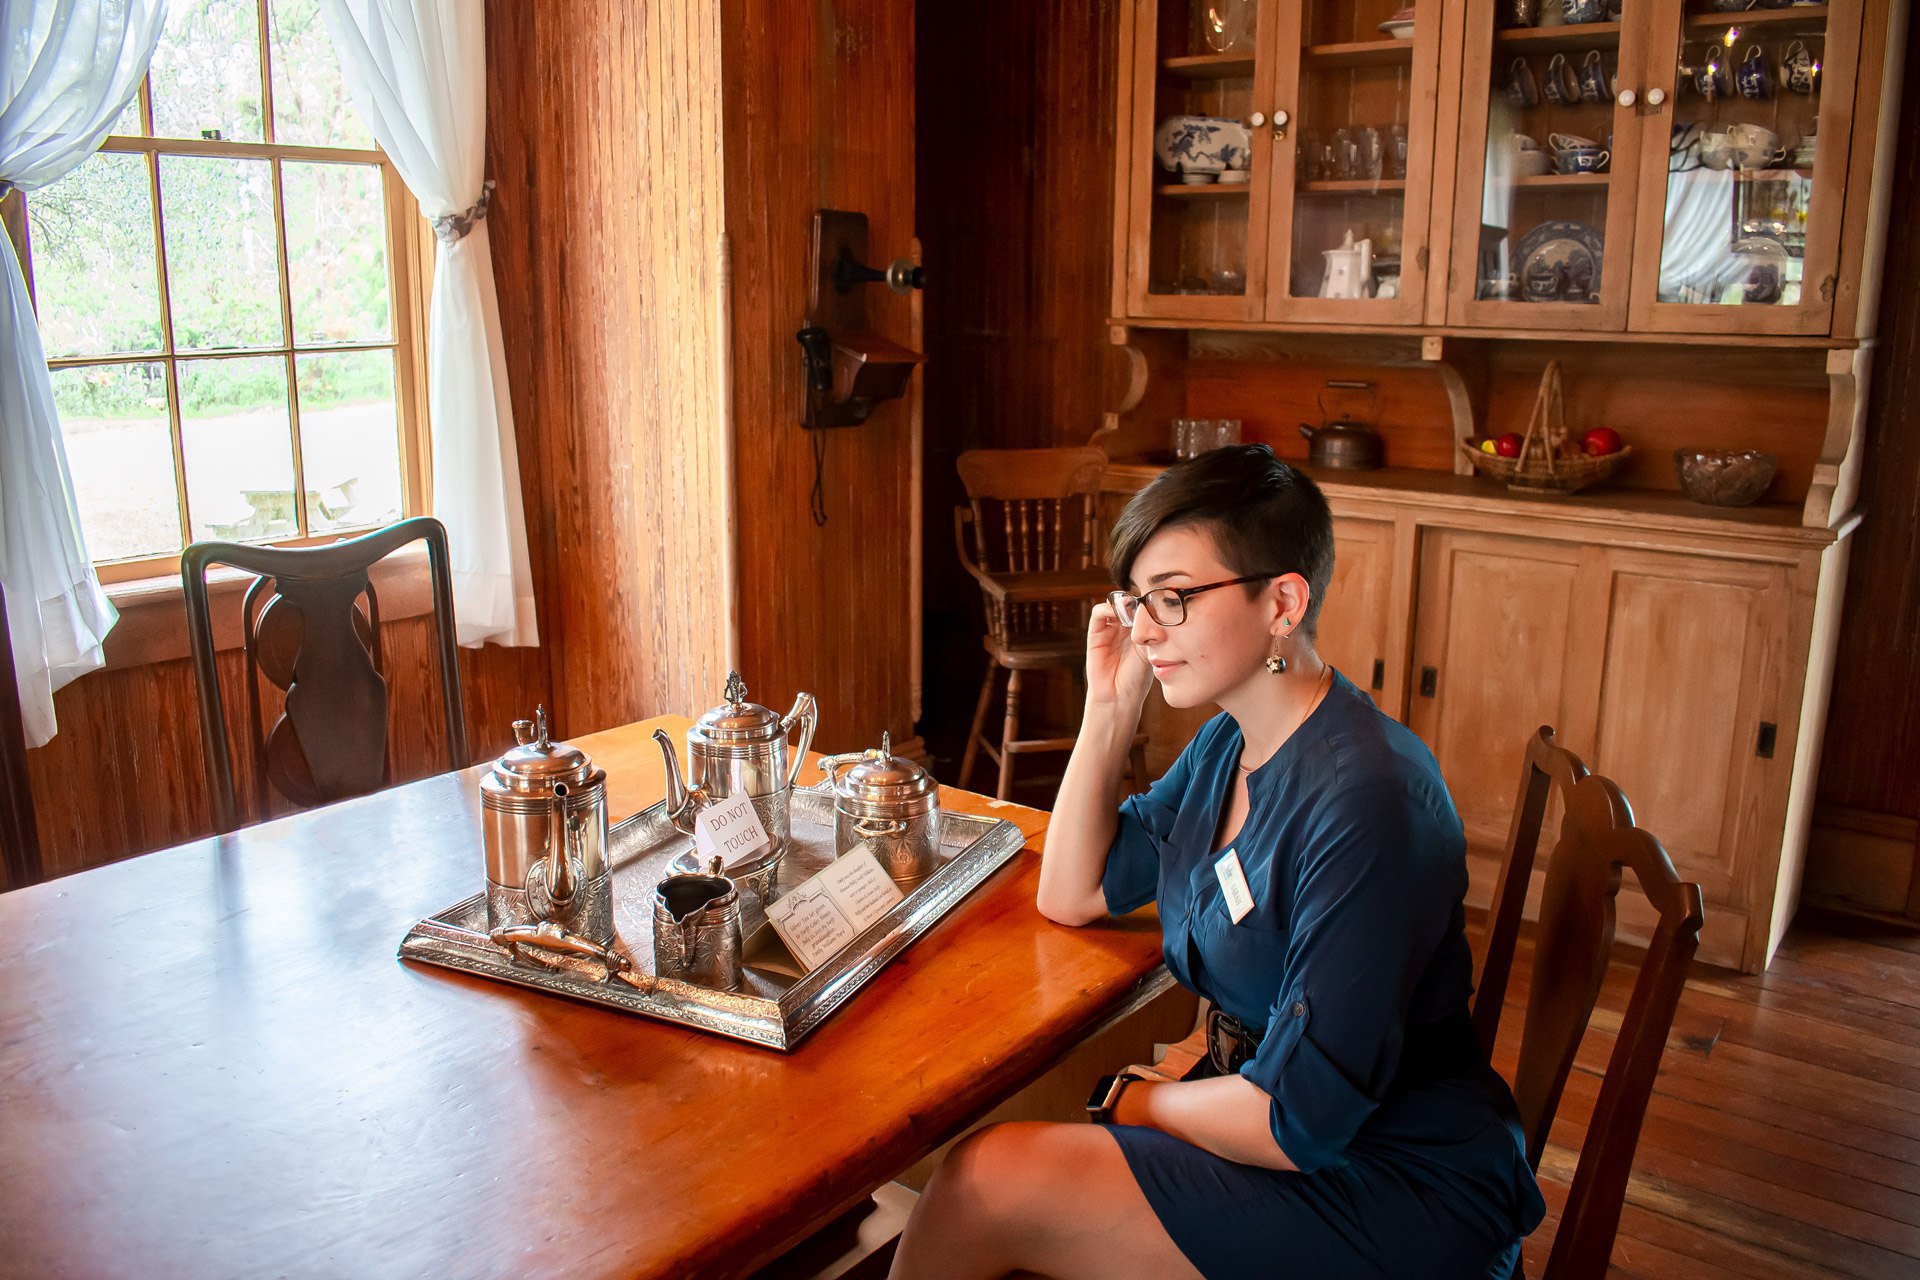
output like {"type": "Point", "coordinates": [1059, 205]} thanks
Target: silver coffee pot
{"type": "Point", "coordinates": [740, 748]}
{"type": "Point", "coordinates": [543, 812]}
{"type": "Point", "coordinates": [891, 804]}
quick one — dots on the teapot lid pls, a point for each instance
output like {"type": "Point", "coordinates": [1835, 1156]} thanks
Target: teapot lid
{"type": "Point", "coordinates": [880, 775]}
{"type": "Point", "coordinates": [738, 721]}
{"type": "Point", "coordinates": [539, 762]}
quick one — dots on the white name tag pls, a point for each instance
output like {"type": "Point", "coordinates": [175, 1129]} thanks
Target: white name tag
{"type": "Point", "coordinates": [834, 907]}
{"type": "Point", "coordinates": [729, 831]}
{"type": "Point", "coordinates": [1233, 883]}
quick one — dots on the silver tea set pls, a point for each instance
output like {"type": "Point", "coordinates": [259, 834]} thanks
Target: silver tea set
{"type": "Point", "coordinates": [544, 826]}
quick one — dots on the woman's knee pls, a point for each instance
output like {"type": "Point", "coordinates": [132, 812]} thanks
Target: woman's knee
{"type": "Point", "coordinates": [996, 1171]}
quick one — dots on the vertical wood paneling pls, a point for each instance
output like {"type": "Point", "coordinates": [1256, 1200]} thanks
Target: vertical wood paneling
{"type": "Point", "coordinates": [819, 114]}
{"type": "Point", "coordinates": [605, 139]}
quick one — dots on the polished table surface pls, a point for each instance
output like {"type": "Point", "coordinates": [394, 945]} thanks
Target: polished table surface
{"type": "Point", "coordinates": [212, 1064]}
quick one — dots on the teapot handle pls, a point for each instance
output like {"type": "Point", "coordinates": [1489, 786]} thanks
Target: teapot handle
{"type": "Point", "coordinates": [830, 767]}
{"type": "Point", "coordinates": [807, 712]}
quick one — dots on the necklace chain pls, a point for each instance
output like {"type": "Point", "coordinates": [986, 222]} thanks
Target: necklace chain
{"type": "Point", "coordinates": [1321, 686]}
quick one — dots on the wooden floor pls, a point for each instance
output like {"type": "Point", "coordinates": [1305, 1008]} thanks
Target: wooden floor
{"type": "Point", "coordinates": [1783, 1139]}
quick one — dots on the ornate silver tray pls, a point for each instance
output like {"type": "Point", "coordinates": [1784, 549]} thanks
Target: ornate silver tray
{"type": "Point", "coordinates": [777, 1004]}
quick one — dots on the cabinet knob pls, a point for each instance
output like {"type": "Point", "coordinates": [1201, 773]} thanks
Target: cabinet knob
{"type": "Point", "coordinates": [1627, 98]}
{"type": "Point", "coordinates": [1280, 119]}
{"type": "Point", "coordinates": [1656, 96]}
{"type": "Point", "coordinates": [1257, 119]}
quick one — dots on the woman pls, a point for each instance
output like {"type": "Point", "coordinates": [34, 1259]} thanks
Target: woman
{"type": "Point", "coordinates": [1309, 870]}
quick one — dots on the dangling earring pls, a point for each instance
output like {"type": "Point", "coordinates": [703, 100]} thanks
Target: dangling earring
{"type": "Point", "coordinates": [1276, 663]}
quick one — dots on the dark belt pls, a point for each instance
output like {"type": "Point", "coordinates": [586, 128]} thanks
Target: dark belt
{"type": "Point", "coordinates": [1433, 1050]}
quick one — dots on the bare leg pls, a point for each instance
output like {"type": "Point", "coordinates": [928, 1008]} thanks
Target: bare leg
{"type": "Point", "coordinates": [1056, 1199]}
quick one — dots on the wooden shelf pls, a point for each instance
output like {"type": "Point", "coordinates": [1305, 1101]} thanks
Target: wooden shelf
{"type": "Point", "coordinates": [1202, 190]}
{"type": "Point", "coordinates": [1355, 186]}
{"type": "Point", "coordinates": [1811, 17]}
{"type": "Point", "coordinates": [1662, 509]}
{"type": "Point", "coordinates": [1209, 66]}
{"type": "Point", "coordinates": [1359, 53]}
{"type": "Point", "coordinates": [1565, 181]}
{"type": "Point", "coordinates": [1586, 35]}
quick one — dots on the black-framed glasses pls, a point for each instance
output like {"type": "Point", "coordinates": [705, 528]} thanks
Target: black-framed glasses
{"type": "Point", "coordinates": [1168, 605]}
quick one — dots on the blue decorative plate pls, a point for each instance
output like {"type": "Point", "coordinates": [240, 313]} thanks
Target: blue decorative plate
{"type": "Point", "coordinates": [1560, 262]}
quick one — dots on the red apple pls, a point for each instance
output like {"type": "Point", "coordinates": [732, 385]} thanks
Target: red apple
{"type": "Point", "coordinates": [1508, 445]}
{"type": "Point", "coordinates": [1601, 441]}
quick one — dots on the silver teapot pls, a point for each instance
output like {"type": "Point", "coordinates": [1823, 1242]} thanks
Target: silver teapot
{"type": "Point", "coordinates": [543, 812]}
{"type": "Point", "coordinates": [889, 803]}
{"type": "Point", "coordinates": [740, 748]}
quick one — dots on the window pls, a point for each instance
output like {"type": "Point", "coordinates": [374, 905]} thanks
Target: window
{"type": "Point", "coordinates": [226, 292]}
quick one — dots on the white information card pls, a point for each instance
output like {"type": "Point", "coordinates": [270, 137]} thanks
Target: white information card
{"type": "Point", "coordinates": [823, 915]}
{"type": "Point", "coordinates": [729, 831]}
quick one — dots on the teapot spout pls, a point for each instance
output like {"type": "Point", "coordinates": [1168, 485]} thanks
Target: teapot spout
{"type": "Point", "coordinates": [683, 799]}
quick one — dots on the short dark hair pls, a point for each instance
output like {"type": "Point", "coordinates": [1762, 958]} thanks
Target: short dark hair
{"type": "Point", "coordinates": [1266, 517]}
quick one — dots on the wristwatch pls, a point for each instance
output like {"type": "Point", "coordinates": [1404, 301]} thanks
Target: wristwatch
{"type": "Point", "coordinates": [1106, 1095]}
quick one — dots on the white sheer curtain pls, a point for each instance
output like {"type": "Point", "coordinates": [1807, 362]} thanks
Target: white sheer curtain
{"type": "Point", "coordinates": [417, 72]}
{"type": "Point", "coordinates": [67, 69]}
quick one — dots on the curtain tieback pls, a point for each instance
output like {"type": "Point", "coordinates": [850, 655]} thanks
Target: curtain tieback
{"type": "Point", "coordinates": [452, 226]}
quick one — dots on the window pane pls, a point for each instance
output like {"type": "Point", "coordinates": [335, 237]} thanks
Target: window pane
{"type": "Point", "coordinates": [336, 252]}
{"type": "Point", "coordinates": [95, 283]}
{"type": "Point", "coordinates": [222, 256]}
{"type": "Point", "coordinates": [349, 439]}
{"type": "Point", "coordinates": [239, 448]}
{"type": "Point", "coordinates": [310, 103]}
{"type": "Point", "coordinates": [114, 420]}
{"type": "Point", "coordinates": [206, 71]}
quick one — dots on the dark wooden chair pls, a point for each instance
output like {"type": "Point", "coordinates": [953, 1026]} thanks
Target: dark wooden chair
{"type": "Point", "coordinates": [311, 626]}
{"type": "Point", "coordinates": [1029, 535]}
{"type": "Point", "coordinates": [1574, 944]}
{"type": "Point", "coordinates": [19, 828]}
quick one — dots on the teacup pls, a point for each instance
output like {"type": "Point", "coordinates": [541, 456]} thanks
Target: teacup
{"type": "Point", "coordinates": [1569, 141]}
{"type": "Point", "coordinates": [1798, 70]}
{"type": "Point", "coordinates": [1716, 148]}
{"type": "Point", "coordinates": [1581, 160]}
{"type": "Point", "coordinates": [1753, 78]}
{"type": "Point", "coordinates": [1522, 90]}
{"type": "Point", "coordinates": [1754, 146]}
{"type": "Point", "coordinates": [1594, 84]}
{"type": "Point", "coordinates": [1562, 84]}
{"type": "Point", "coordinates": [1710, 78]}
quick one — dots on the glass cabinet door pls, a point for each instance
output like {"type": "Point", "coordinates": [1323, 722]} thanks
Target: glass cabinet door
{"type": "Point", "coordinates": [1353, 160]}
{"type": "Point", "coordinates": [1550, 138]}
{"type": "Point", "coordinates": [1197, 204]}
{"type": "Point", "coordinates": [1740, 216]}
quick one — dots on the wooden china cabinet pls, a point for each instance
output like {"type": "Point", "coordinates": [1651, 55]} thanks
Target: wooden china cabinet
{"type": "Point", "coordinates": [1700, 254]}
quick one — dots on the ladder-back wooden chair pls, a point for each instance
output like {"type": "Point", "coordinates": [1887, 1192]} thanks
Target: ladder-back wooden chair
{"type": "Point", "coordinates": [1030, 536]}
{"type": "Point", "coordinates": [311, 627]}
{"type": "Point", "coordinates": [1573, 946]}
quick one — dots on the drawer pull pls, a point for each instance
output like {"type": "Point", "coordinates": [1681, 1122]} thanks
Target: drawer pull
{"type": "Point", "coordinates": [1768, 732]}
{"type": "Point", "coordinates": [1379, 673]}
{"type": "Point", "coordinates": [1428, 677]}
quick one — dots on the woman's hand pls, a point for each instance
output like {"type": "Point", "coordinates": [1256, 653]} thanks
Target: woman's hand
{"type": "Point", "coordinates": [1117, 672]}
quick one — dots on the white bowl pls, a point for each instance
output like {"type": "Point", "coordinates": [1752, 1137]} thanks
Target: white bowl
{"type": "Point", "coordinates": [1399, 30]}
{"type": "Point", "coordinates": [1198, 146]}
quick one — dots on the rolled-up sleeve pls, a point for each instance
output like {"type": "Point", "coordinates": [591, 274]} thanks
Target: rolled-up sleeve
{"type": "Point", "coordinates": [1146, 825]}
{"type": "Point", "coordinates": [1375, 895]}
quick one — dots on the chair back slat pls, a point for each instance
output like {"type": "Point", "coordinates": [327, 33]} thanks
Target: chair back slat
{"type": "Point", "coordinates": [1031, 511]}
{"type": "Point", "coordinates": [1598, 841]}
{"type": "Point", "coordinates": [306, 631]}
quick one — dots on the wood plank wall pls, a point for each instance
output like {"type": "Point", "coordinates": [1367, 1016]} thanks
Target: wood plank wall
{"type": "Point", "coordinates": [1015, 188]}
{"type": "Point", "coordinates": [819, 114]}
{"type": "Point", "coordinates": [604, 134]}
{"type": "Point", "coordinates": [1868, 808]}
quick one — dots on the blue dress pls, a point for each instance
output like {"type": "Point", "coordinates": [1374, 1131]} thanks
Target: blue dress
{"type": "Point", "coordinates": [1353, 954]}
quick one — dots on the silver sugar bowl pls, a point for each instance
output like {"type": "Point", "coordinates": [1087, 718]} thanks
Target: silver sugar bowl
{"type": "Point", "coordinates": [740, 748]}
{"type": "Point", "coordinates": [891, 804]}
{"type": "Point", "coordinates": [543, 810]}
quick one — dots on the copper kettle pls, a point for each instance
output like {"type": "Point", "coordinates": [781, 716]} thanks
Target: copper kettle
{"type": "Point", "coordinates": [1345, 445]}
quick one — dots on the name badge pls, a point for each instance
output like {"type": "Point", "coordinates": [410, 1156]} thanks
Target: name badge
{"type": "Point", "coordinates": [1233, 883]}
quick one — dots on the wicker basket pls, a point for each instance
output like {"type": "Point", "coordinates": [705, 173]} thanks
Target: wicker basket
{"type": "Point", "coordinates": [1539, 468]}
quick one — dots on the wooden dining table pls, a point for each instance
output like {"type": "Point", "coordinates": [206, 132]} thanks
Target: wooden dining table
{"type": "Point", "coordinates": [212, 1064]}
